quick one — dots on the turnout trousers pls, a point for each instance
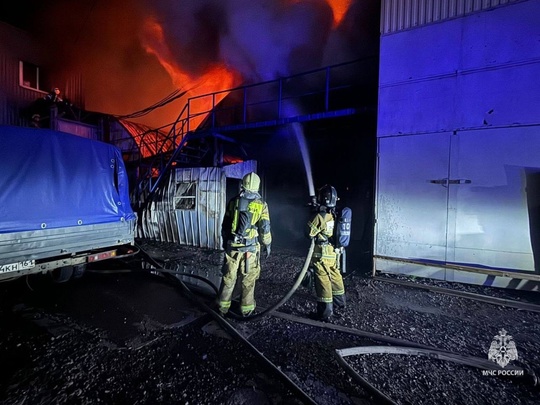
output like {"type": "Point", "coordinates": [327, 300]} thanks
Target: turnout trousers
{"type": "Point", "coordinates": [329, 286]}
{"type": "Point", "coordinates": [247, 267]}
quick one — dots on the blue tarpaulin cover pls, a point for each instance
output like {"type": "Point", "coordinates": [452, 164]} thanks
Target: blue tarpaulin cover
{"type": "Point", "coordinates": [51, 179]}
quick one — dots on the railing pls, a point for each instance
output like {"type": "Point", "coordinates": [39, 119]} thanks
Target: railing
{"type": "Point", "coordinates": [297, 97]}
{"type": "Point", "coordinates": [316, 94]}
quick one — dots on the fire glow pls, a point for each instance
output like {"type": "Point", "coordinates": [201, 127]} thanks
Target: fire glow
{"type": "Point", "coordinates": [217, 76]}
{"type": "Point", "coordinates": [339, 7]}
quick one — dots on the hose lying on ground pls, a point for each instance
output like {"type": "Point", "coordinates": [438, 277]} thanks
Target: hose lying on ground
{"type": "Point", "coordinates": [285, 298]}
{"type": "Point", "coordinates": [231, 330]}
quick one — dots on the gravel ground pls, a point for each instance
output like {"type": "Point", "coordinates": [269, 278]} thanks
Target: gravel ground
{"type": "Point", "coordinates": [74, 363]}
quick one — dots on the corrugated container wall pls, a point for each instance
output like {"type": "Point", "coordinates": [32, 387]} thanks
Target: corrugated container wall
{"type": "Point", "coordinates": [397, 15]}
{"type": "Point", "coordinates": [188, 209]}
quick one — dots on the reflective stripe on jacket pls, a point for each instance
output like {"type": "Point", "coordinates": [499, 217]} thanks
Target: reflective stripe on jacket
{"type": "Point", "coordinates": [249, 219]}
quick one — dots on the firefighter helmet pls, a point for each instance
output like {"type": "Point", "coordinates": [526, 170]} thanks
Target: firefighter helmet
{"type": "Point", "coordinates": [327, 196]}
{"type": "Point", "coordinates": [251, 182]}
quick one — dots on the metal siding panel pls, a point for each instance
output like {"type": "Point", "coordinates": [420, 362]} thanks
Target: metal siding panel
{"type": "Point", "coordinates": [452, 8]}
{"type": "Point", "coordinates": [202, 226]}
{"type": "Point", "coordinates": [460, 7]}
{"type": "Point", "coordinates": [429, 12]}
{"type": "Point", "coordinates": [401, 15]}
{"type": "Point", "coordinates": [382, 18]}
{"type": "Point", "coordinates": [407, 11]}
{"type": "Point", "coordinates": [415, 10]}
{"type": "Point", "coordinates": [170, 218]}
{"type": "Point", "coordinates": [477, 5]}
{"type": "Point", "coordinates": [386, 8]}
{"type": "Point", "coordinates": [420, 14]}
{"type": "Point", "coordinates": [393, 15]}
{"type": "Point", "coordinates": [398, 15]}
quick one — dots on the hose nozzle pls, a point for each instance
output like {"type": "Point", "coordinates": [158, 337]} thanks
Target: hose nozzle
{"type": "Point", "coordinates": [313, 204]}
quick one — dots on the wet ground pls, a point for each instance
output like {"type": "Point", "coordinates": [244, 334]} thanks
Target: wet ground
{"type": "Point", "coordinates": [118, 336]}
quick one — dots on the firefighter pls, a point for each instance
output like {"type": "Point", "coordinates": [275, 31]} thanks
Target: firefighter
{"type": "Point", "coordinates": [54, 96]}
{"type": "Point", "coordinates": [329, 287]}
{"type": "Point", "coordinates": [245, 232]}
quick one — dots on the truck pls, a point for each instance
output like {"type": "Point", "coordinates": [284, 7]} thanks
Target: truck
{"type": "Point", "coordinates": [64, 203]}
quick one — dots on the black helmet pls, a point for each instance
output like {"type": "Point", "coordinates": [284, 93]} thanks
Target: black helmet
{"type": "Point", "coordinates": [327, 196]}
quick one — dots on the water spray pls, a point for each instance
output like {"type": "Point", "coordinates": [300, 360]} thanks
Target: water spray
{"type": "Point", "coordinates": [302, 144]}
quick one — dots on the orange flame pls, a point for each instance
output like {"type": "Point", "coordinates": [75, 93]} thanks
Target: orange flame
{"type": "Point", "coordinates": [339, 7]}
{"type": "Point", "coordinates": [216, 78]}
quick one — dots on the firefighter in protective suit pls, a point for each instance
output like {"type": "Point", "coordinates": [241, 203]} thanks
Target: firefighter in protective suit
{"type": "Point", "coordinates": [329, 286]}
{"type": "Point", "coordinates": [245, 231]}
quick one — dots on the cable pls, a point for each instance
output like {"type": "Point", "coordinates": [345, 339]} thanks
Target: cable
{"type": "Point", "coordinates": [166, 100]}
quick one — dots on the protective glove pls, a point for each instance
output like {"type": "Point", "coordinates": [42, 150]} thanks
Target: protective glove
{"type": "Point", "coordinates": [267, 250]}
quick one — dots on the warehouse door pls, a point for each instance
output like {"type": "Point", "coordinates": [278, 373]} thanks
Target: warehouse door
{"type": "Point", "coordinates": [470, 198]}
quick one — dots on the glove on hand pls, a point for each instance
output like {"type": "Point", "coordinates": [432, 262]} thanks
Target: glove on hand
{"type": "Point", "coordinates": [267, 250]}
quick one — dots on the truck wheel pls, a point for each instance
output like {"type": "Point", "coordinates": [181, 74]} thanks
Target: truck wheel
{"type": "Point", "coordinates": [78, 270]}
{"type": "Point", "coordinates": [62, 274]}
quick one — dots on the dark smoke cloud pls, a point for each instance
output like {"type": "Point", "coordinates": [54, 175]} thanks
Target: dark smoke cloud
{"type": "Point", "coordinates": [259, 39]}
{"type": "Point", "coordinates": [262, 39]}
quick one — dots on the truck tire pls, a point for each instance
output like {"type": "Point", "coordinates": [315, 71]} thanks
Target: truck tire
{"type": "Point", "coordinates": [78, 271]}
{"type": "Point", "coordinates": [62, 274]}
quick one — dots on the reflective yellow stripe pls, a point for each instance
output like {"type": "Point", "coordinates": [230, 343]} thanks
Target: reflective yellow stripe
{"type": "Point", "coordinates": [225, 304]}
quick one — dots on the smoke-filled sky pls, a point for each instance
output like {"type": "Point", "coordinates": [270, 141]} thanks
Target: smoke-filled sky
{"type": "Point", "coordinates": [133, 53]}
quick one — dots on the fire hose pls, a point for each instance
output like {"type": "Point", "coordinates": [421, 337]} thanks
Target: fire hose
{"type": "Point", "coordinates": [232, 331]}
{"type": "Point", "coordinates": [286, 297]}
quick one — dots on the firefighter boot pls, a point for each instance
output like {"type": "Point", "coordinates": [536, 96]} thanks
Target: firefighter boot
{"type": "Point", "coordinates": [340, 301]}
{"type": "Point", "coordinates": [324, 310]}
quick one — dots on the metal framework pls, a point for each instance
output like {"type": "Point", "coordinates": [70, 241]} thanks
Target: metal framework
{"type": "Point", "coordinates": [319, 92]}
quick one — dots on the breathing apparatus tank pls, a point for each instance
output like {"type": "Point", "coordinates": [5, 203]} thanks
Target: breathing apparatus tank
{"type": "Point", "coordinates": [342, 230]}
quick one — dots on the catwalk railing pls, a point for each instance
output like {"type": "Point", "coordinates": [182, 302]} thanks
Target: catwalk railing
{"type": "Point", "coordinates": [316, 94]}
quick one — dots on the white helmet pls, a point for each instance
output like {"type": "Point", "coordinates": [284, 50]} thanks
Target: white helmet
{"type": "Point", "coordinates": [251, 182]}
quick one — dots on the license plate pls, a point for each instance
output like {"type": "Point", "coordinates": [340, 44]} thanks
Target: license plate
{"type": "Point", "coordinates": [26, 264]}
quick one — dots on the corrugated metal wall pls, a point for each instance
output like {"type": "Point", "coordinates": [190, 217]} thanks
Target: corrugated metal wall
{"type": "Point", "coordinates": [398, 15]}
{"type": "Point", "coordinates": [200, 226]}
